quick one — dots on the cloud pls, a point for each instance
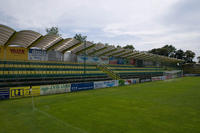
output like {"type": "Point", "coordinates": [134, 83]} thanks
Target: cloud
{"type": "Point", "coordinates": [183, 19]}
{"type": "Point", "coordinates": [145, 23]}
{"type": "Point", "coordinates": [184, 14]}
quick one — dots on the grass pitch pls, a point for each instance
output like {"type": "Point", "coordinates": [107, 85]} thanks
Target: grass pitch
{"type": "Point", "coordinates": [171, 106]}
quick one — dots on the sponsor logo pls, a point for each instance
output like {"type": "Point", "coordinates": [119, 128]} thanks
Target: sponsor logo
{"type": "Point", "coordinates": [134, 81]}
{"type": "Point", "coordinates": [24, 91]}
{"type": "Point", "coordinates": [82, 86]}
{"type": "Point", "coordinates": [109, 83]}
{"type": "Point", "coordinates": [53, 89]}
{"type": "Point", "coordinates": [99, 84]}
{"type": "Point", "coordinates": [17, 51]}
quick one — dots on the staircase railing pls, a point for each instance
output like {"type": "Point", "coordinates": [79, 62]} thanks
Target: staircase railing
{"type": "Point", "coordinates": [105, 68]}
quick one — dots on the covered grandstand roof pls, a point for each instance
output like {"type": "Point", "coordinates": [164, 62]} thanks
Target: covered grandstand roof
{"type": "Point", "coordinates": [29, 39]}
{"type": "Point", "coordinates": [82, 47]}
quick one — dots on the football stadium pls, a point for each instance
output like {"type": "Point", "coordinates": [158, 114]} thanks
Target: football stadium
{"type": "Point", "coordinates": [54, 84]}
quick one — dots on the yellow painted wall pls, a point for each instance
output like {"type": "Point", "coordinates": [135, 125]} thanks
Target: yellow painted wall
{"type": "Point", "coordinates": [17, 92]}
{"type": "Point", "coordinates": [16, 53]}
{"type": "Point", "coordinates": [1, 52]}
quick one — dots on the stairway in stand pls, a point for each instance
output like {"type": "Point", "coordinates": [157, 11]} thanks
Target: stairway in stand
{"type": "Point", "coordinates": [105, 68]}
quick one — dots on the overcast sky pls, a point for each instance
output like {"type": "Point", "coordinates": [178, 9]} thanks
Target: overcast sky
{"type": "Point", "coordinates": [146, 24]}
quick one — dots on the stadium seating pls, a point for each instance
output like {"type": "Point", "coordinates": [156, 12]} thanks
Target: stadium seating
{"type": "Point", "coordinates": [130, 71]}
{"type": "Point", "coordinates": [191, 69]}
{"type": "Point", "coordinates": [47, 72]}
{"type": "Point", "coordinates": [33, 71]}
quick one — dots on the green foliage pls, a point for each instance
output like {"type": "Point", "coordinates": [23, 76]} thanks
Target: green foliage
{"type": "Point", "coordinates": [121, 82]}
{"type": "Point", "coordinates": [129, 47]}
{"type": "Point", "coordinates": [170, 51]}
{"type": "Point", "coordinates": [118, 46]}
{"type": "Point", "coordinates": [53, 31]}
{"type": "Point", "coordinates": [179, 54]}
{"type": "Point", "coordinates": [80, 37]}
{"type": "Point", "coordinates": [167, 50]}
{"type": "Point", "coordinates": [106, 44]}
{"type": "Point", "coordinates": [159, 51]}
{"type": "Point", "coordinates": [189, 55]}
{"type": "Point", "coordinates": [170, 106]}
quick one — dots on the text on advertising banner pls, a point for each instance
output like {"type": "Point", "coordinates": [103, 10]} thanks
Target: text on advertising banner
{"type": "Point", "coordinates": [17, 92]}
{"type": "Point", "coordinates": [37, 54]}
{"type": "Point", "coordinates": [53, 89]}
{"type": "Point", "coordinates": [82, 86]}
{"type": "Point", "coordinates": [16, 53]}
{"type": "Point", "coordinates": [104, 84]}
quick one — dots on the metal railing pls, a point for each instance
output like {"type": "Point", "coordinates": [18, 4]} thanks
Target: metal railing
{"type": "Point", "coordinates": [105, 68]}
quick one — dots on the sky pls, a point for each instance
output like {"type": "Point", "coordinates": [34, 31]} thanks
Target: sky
{"type": "Point", "coordinates": [145, 24]}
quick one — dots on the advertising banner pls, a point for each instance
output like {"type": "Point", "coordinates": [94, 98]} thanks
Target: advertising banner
{"type": "Point", "coordinates": [16, 53]}
{"type": "Point", "coordinates": [145, 80]}
{"type": "Point", "coordinates": [163, 77]}
{"type": "Point", "coordinates": [81, 59]}
{"type": "Point", "coordinates": [55, 56]}
{"type": "Point", "coordinates": [37, 54]}
{"type": "Point", "coordinates": [4, 93]}
{"type": "Point", "coordinates": [104, 60]}
{"type": "Point", "coordinates": [121, 82]}
{"type": "Point", "coordinates": [54, 89]}
{"type": "Point", "coordinates": [89, 59]}
{"type": "Point", "coordinates": [99, 84]}
{"type": "Point", "coordinates": [169, 77]}
{"type": "Point", "coordinates": [17, 92]}
{"type": "Point", "coordinates": [93, 59]}
{"type": "Point", "coordinates": [105, 84]}
{"type": "Point", "coordinates": [111, 83]}
{"type": "Point", "coordinates": [174, 76]}
{"type": "Point", "coordinates": [156, 78]}
{"type": "Point", "coordinates": [112, 60]}
{"type": "Point", "coordinates": [82, 86]}
{"type": "Point", "coordinates": [120, 61]}
{"type": "Point", "coordinates": [135, 81]}
{"type": "Point", "coordinates": [132, 62]}
{"type": "Point", "coordinates": [128, 81]}
{"type": "Point", "coordinates": [131, 81]}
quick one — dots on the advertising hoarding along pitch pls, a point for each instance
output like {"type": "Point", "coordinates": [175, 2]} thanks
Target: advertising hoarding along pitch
{"type": "Point", "coordinates": [145, 80]}
{"type": "Point", "coordinates": [54, 89]}
{"type": "Point", "coordinates": [156, 78]}
{"type": "Point", "coordinates": [104, 84]}
{"type": "Point", "coordinates": [4, 93]}
{"type": "Point", "coordinates": [131, 81]}
{"type": "Point", "coordinates": [82, 86]}
{"type": "Point", "coordinates": [17, 92]}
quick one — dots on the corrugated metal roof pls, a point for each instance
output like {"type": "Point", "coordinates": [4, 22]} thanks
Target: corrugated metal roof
{"type": "Point", "coordinates": [28, 39]}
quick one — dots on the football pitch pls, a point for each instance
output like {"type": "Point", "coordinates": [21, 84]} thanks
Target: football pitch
{"type": "Point", "coordinates": [171, 106]}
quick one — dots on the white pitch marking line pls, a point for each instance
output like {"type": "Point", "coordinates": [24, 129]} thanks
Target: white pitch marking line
{"type": "Point", "coordinates": [53, 117]}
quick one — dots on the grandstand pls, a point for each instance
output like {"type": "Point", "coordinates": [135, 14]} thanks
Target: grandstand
{"type": "Point", "coordinates": [191, 69]}
{"type": "Point", "coordinates": [29, 58]}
